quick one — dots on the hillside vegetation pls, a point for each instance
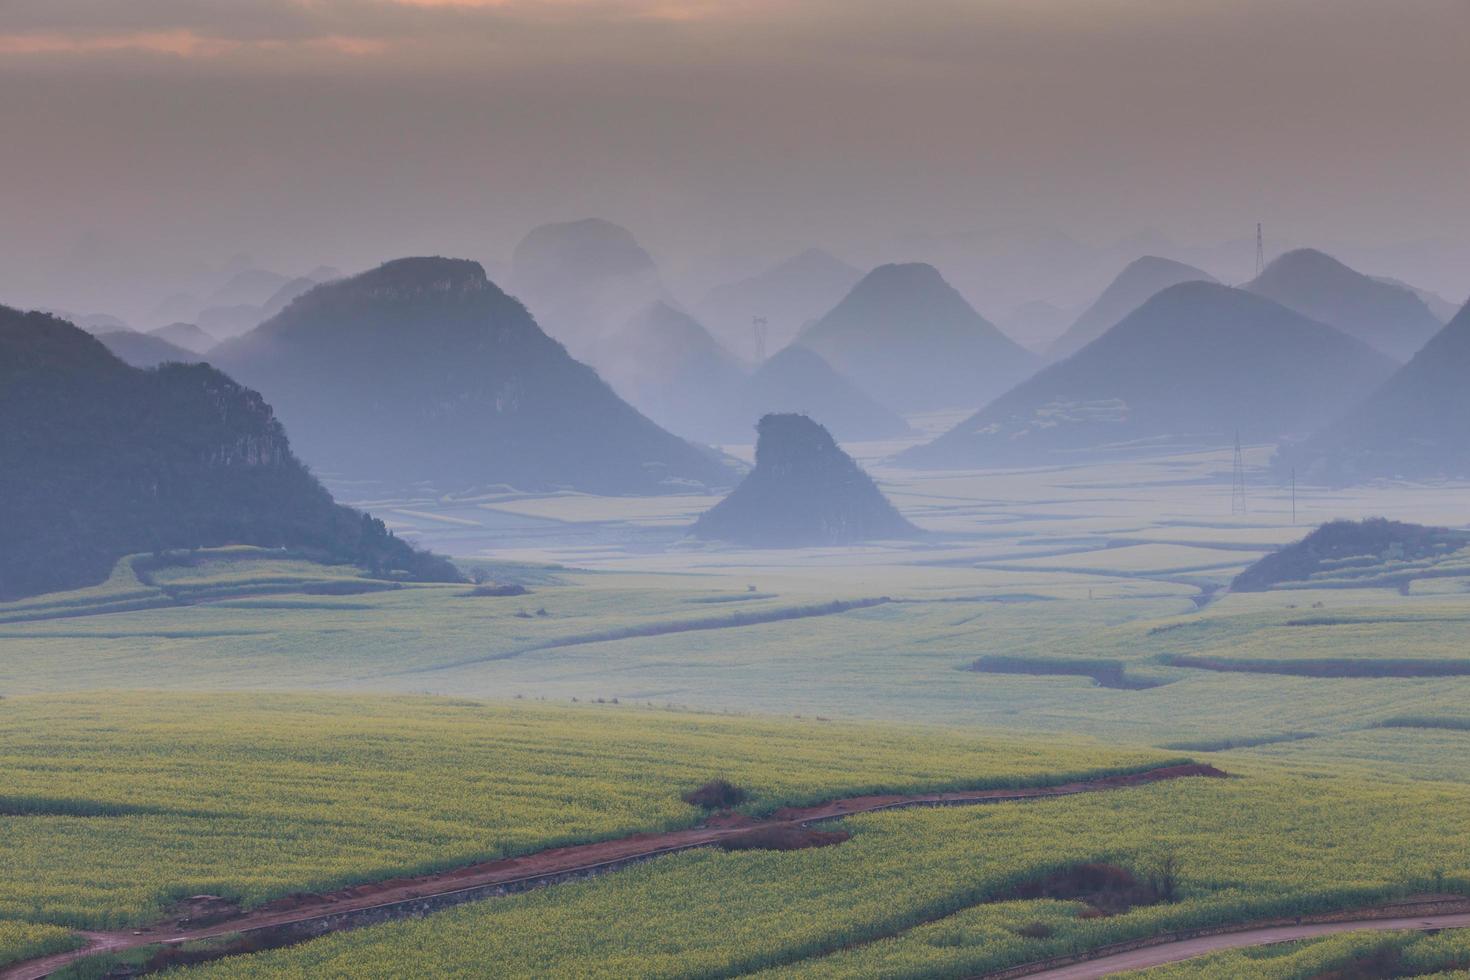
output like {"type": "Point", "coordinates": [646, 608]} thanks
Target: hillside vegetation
{"type": "Point", "coordinates": [99, 460]}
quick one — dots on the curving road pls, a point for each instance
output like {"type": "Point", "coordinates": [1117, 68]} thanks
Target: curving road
{"type": "Point", "coordinates": [1188, 949]}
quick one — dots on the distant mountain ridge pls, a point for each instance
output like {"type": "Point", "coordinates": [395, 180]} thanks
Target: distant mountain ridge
{"type": "Point", "coordinates": [1416, 426]}
{"type": "Point", "coordinates": [669, 367]}
{"type": "Point", "coordinates": [99, 460]}
{"type": "Point", "coordinates": [1194, 365]}
{"type": "Point", "coordinates": [1383, 315]}
{"type": "Point", "coordinates": [583, 280]}
{"type": "Point", "coordinates": [185, 335]}
{"type": "Point", "coordinates": [422, 370]}
{"type": "Point", "coordinates": [804, 491]}
{"type": "Point", "coordinates": [144, 350]}
{"type": "Point", "coordinates": [1140, 280]}
{"type": "Point", "coordinates": [909, 339]}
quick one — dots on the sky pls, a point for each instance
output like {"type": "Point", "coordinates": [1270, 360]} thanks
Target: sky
{"type": "Point", "coordinates": [146, 142]}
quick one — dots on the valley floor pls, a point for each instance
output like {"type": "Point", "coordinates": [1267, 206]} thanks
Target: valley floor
{"type": "Point", "coordinates": [247, 725]}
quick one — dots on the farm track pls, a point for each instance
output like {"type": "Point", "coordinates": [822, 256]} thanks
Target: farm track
{"type": "Point", "coordinates": [300, 917]}
{"type": "Point", "coordinates": [1177, 950]}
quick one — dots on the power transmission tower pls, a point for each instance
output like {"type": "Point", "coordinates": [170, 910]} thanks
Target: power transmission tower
{"type": "Point", "coordinates": [1237, 484]}
{"type": "Point", "coordinates": [1260, 251]}
{"type": "Point", "coordinates": [758, 325]}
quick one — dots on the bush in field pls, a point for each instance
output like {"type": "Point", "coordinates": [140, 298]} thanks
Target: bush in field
{"type": "Point", "coordinates": [717, 794]}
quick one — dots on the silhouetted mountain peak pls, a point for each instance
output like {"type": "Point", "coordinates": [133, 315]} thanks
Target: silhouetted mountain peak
{"type": "Point", "coordinates": [415, 275]}
{"type": "Point", "coordinates": [1140, 280]}
{"type": "Point", "coordinates": [1413, 427]}
{"type": "Point", "coordinates": [589, 247]}
{"type": "Point", "coordinates": [1383, 315]}
{"type": "Point", "coordinates": [1191, 366]}
{"type": "Point", "coordinates": [423, 369]}
{"type": "Point", "coordinates": [906, 335]}
{"type": "Point", "coordinates": [803, 491]}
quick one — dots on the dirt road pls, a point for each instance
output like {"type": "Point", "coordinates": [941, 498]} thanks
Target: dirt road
{"type": "Point", "coordinates": [1188, 949]}
{"type": "Point", "coordinates": [300, 917]}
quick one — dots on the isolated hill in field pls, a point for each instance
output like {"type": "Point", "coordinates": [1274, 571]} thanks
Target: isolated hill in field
{"type": "Point", "coordinates": [906, 337]}
{"type": "Point", "coordinates": [584, 279]}
{"type": "Point", "coordinates": [1191, 367]}
{"type": "Point", "coordinates": [100, 460]}
{"type": "Point", "coordinates": [422, 370]}
{"type": "Point", "coordinates": [1340, 550]}
{"type": "Point", "coordinates": [797, 379]}
{"type": "Point", "coordinates": [145, 350]}
{"type": "Point", "coordinates": [670, 368]}
{"type": "Point", "coordinates": [1416, 426]}
{"type": "Point", "coordinates": [789, 295]}
{"type": "Point", "coordinates": [803, 491]}
{"type": "Point", "coordinates": [1131, 289]}
{"type": "Point", "coordinates": [185, 335]}
{"type": "Point", "coordinates": [1314, 284]}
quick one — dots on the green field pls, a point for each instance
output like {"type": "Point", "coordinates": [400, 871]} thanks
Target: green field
{"type": "Point", "coordinates": [250, 724]}
{"type": "Point", "coordinates": [913, 894]}
{"type": "Point", "coordinates": [115, 805]}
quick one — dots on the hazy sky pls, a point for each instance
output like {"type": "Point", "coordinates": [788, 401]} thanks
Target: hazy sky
{"type": "Point", "coordinates": [145, 135]}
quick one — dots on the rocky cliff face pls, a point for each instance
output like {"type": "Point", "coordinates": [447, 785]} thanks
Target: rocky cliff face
{"type": "Point", "coordinates": [804, 491]}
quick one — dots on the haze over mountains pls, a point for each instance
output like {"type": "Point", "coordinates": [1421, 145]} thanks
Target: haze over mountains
{"type": "Point", "coordinates": [671, 369]}
{"type": "Point", "coordinates": [804, 491]}
{"type": "Point", "coordinates": [797, 379]}
{"type": "Point", "coordinates": [787, 296]}
{"type": "Point", "coordinates": [185, 335]}
{"type": "Point", "coordinates": [1383, 315]}
{"type": "Point", "coordinates": [99, 460]}
{"type": "Point", "coordinates": [249, 296]}
{"type": "Point", "coordinates": [583, 280]}
{"type": "Point", "coordinates": [1136, 284]}
{"type": "Point", "coordinates": [145, 350]}
{"type": "Point", "coordinates": [1416, 426]}
{"type": "Point", "coordinates": [422, 371]}
{"type": "Point", "coordinates": [1193, 366]}
{"type": "Point", "coordinates": [908, 338]}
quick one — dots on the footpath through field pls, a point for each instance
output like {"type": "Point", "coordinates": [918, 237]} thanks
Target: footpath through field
{"type": "Point", "coordinates": [300, 917]}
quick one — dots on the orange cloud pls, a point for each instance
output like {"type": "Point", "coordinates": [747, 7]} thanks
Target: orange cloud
{"type": "Point", "coordinates": [185, 44]}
